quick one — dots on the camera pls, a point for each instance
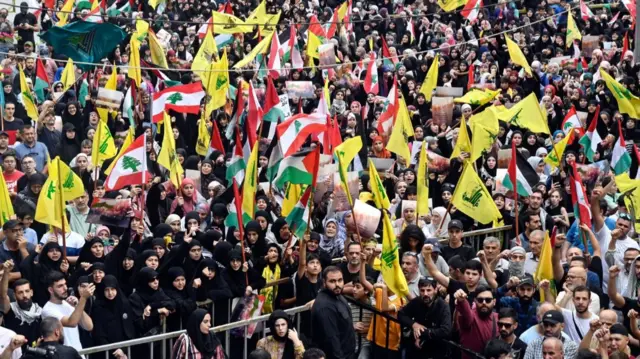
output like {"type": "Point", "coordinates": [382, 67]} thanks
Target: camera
{"type": "Point", "coordinates": [48, 352]}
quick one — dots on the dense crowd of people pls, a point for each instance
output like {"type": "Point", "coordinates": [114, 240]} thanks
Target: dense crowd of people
{"type": "Point", "coordinates": [177, 263]}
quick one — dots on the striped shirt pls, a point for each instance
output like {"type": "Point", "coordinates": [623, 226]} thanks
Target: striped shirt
{"type": "Point", "coordinates": [365, 317]}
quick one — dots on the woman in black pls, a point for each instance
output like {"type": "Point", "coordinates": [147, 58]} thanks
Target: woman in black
{"type": "Point", "coordinates": [112, 316]}
{"type": "Point", "coordinates": [237, 274]}
{"type": "Point", "coordinates": [208, 283]}
{"type": "Point", "coordinates": [92, 252]}
{"type": "Point", "coordinates": [176, 289]}
{"type": "Point", "coordinates": [149, 303]}
{"type": "Point", "coordinates": [49, 259]}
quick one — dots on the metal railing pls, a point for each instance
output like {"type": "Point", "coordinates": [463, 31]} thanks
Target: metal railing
{"type": "Point", "coordinates": [473, 238]}
{"type": "Point", "coordinates": [127, 345]}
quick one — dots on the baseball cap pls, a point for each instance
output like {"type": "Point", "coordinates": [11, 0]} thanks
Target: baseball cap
{"type": "Point", "coordinates": [4, 133]}
{"type": "Point", "coordinates": [435, 243]}
{"type": "Point", "coordinates": [455, 224]}
{"type": "Point", "coordinates": [10, 224]}
{"type": "Point", "coordinates": [28, 43]}
{"type": "Point", "coordinates": [553, 317]}
{"type": "Point", "coordinates": [527, 280]}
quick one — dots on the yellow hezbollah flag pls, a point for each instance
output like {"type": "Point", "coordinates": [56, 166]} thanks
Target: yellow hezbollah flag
{"type": "Point", "coordinates": [157, 51]}
{"type": "Point", "coordinates": [249, 186]}
{"type": "Point", "coordinates": [63, 14]}
{"type": "Point", "coordinates": [142, 29]}
{"type": "Point", "coordinates": [27, 97]}
{"type": "Point", "coordinates": [218, 84]}
{"type": "Point", "coordinates": [573, 33]}
{"type": "Point", "coordinates": [61, 186]}
{"type": "Point", "coordinates": [526, 114]}
{"type": "Point", "coordinates": [402, 130]}
{"type": "Point", "coordinates": [463, 143]}
{"type": "Point", "coordinates": [390, 260]}
{"type": "Point", "coordinates": [103, 146]}
{"type": "Point", "coordinates": [345, 152]}
{"type": "Point", "coordinates": [327, 95]}
{"type": "Point", "coordinates": [431, 81]}
{"type": "Point", "coordinates": [342, 10]}
{"type": "Point", "coordinates": [206, 55]}
{"type": "Point", "coordinates": [423, 182]}
{"type": "Point", "coordinates": [477, 97]}
{"type": "Point", "coordinates": [627, 102]}
{"type": "Point", "coordinates": [6, 207]}
{"type": "Point", "coordinates": [313, 42]}
{"type": "Point", "coordinates": [134, 72]}
{"type": "Point", "coordinates": [377, 188]}
{"type": "Point", "coordinates": [68, 77]}
{"type": "Point", "coordinates": [555, 155]}
{"type": "Point", "coordinates": [125, 145]}
{"type": "Point", "coordinates": [204, 137]}
{"type": "Point", "coordinates": [485, 129]}
{"type": "Point", "coordinates": [228, 24]}
{"type": "Point", "coordinates": [631, 189]}
{"type": "Point", "coordinates": [545, 266]}
{"type": "Point", "coordinates": [472, 198]}
{"type": "Point", "coordinates": [268, 24]}
{"type": "Point", "coordinates": [517, 57]}
{"type": "Point", "coordinates": [167, 157]}
{"type": "Point", "coordinates": [450, 5]}
{"type": "Point", "coordinates": [259, 49]}
{"type": "Point", "coordinates": [291, 196]}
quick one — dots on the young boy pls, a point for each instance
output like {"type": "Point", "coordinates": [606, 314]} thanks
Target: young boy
{"type": "Point", "coordinates": [26, 218]}
{"type": "Point", "coordinates": [362, 318]}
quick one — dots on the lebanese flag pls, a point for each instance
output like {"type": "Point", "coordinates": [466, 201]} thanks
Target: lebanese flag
{"type": "Point", "coordinates": [130, 168]}
{"type": "Point", "coordinates": [183, 98]}
{"type": "Point", "coordinates": [471, 10]}
{"type": "Point", "coordinates": [581, 206]}
{"type": "Point", "coordinates": [585, 12]}
{"type": "Point", "coordinates": [333, 25]}
{"type": "Point", "coordinates": [275, 63]}
{"type": "Point", "coordinates": [385, 122]}
{"type": "Point", "coordinates": [294, 131]}
{"type": "Point", "coordinates": [570, 121]}
{"type": "Point", "coordinates": [216, 140]}
{"type": "Point", "coordinates": [371, 80]}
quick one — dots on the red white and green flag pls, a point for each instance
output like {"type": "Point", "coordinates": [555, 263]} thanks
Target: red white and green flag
{"type": "Point", "coordinates": [216, 139]}
{"type": "Point", "coordinates": [591, 139]}
{"type": "Point", "coordinates": [300, 168]}
{"type": "Point", "coordinates": [184, 98]}
{"type": "Point", "coordinates": [471, 10]}
{"type": "Point", "coordinates": [585, 12]}
{"type": "Point", "coordinates": [581, 206]}
{"type": "Point", "coordinates": [294, 131]}
{"type": "Point", "coordinates": [130, 168]}
{"type": "Point", "coordinates": [571, 120]}
{"type": "Point", "coordinates": [371, 80]}
{"type": "Point", "coordinates": [521, 173]}
{"type": "Point", "coordinates": [620, 158]}
{"type": "Point", "coordinates": [42, 80]}
{"type": "Point", "coordinates": [275, 63]}
{"type": "Point", "coordinates": [299, 215]}
{"type": "Point", "coordinates": [236, 165]}
{"type": "Point", "coordinates": [389, 111]}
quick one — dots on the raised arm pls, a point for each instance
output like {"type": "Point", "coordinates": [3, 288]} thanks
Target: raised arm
{"type": "Point", "coordinates": [597, 252]}
{"type": "Point", "coordinates": [5, 303]}
{"type": "Point", "coordinates": [598, 219]}
{"type": "Point", "coordinates": [616, 298]}
{"type": "Point", "coordinates": [302, 260]}
{"type": "Point", "coordinates": [77, 317]}
{"type": "Point", "coordinates": [558, 271]}
{"type": "Point", "coordinates": [488, 272]}
{"type": "Point", "coordinates": [363, 276]}
{"type": "Point", "coordinates": [431, 267]}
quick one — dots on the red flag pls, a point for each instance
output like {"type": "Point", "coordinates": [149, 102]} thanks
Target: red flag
{"type": "Point", "coordinates": [371, 80]}
{"type": "Point", "coordinates": [238, 203]}
{"type": "Point", "coordinates": [581, 206]}
{"type": "Point", "coordinates": [333, 26]}
{"type": "Point", "coordinates": [316, 28]}
{"type": "Point", "coordinates": [226, 8]}
{"type": "Point", "coordinates": [625, 45]}
{"type": "Point", "coordinates": [332, 137]}
{"type": "Point", "coordinates": [216, 140]}
{"type": "Point", "coordinates": [41, 72]}
{"type": "Point", "coordinates": [472, 77]}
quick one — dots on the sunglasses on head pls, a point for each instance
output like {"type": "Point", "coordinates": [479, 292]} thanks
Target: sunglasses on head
{"type": "Point", "coordinates": [625, 216]}
{"type": "Point", "coordinates": [484, 300]}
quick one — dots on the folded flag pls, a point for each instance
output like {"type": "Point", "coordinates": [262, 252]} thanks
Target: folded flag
{"type": "Point", "coordinates": [521, 173]}
{"type": "Point", "coordinates": [294, 131]}
{"type": "Point", "coordinates": [299, 215]}
{"type": "Point", "coordinates": [570, 121]}
{"type": "Point", "coordinates": [185, 98]}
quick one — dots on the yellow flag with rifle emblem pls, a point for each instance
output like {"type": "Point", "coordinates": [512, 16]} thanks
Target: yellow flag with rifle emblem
{"type": "Point", "coordinates": [103, 146]}
{"type": "Point", "coordinates": [573, 33]}
{"type": "Point", "coordinates": [526, 114]}
{"type": "Point", "coordinates": [472, 198]}
{"type": "Point", "coordinates": [345, 153]}
{"type": "Point", "coordinates": [167, 157]}
{"type": "Point", "coordinates": [61, 186]}
{"type": "Point", "coordinates": [627, 102]}
{"type": "Point", "coordinates": [6, 207]}
{"type": "Point", "coordinates": [390, 259]}
{"type": "Point", "coordinates": [377, 188]}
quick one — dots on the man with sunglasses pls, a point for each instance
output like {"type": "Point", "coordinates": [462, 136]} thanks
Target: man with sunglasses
{"type": "Point", "coordinates": [553, 324]}
{"type": "Point", "coordinates": [507, 325]}
{"type": "Point", "coordinates": [430, 320]}
{"type": "Point", "coordinates": [477, 324]}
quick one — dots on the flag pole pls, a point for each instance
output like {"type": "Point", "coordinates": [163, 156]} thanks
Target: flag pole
{"type": "Point", "coordinates": [240, 226]}
{"type": "Point", "coordinates": [144, 178]}
{"type": "Point", "coordinates": [515, 199]}
{"type": "Point", "coordinates": [445, 216]}
{"type": "Point", "coordinates": [62, 214]}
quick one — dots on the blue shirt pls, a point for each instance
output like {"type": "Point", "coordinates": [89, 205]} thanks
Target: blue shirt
{"type": "Point", "coordinates": [38, 151]}
{"type": "Point", "coordinates": [525, 319]}
{"type": "Point", "coordinates": [576, 240]}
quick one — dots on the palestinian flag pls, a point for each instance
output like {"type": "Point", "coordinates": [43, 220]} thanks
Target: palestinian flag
{"type": "Point", "coordinates": [585, 12]}
{"type": "Point", "coordinates": [570, 121]}
{"type": "Point", "coordinates": [185, 98]}
{"type": "Point", "coordinates": [238, 117]}
{"type": "Point", "coordinates": [130, 168]}
{"type": "Point", "coordinates": [234, 208]}
{"type": "Point", "coordinates": [620, 158]}
{"type": "Point", "coordinates": [371, 80]}
{"type": "Point", "coordinates": [42, 81]}
{"type": "Point", "coordinates": [272, 111]}
{"type": "Point", "coordinates": [120, 7]}
{"type": "Point", "coordinates": [581, 206]}
{"type": "Point", "coordinates": [299, 215]}
{"type": "Point", "coordinates": [216, 140]}
{"type": "Point", "coordinates": [591, 139]}
{"type": "Point", "coordinates": [275, 157]}
{"type": "Point", "coordinates": [294, 131]}
{"type": "Point", "coordinates": [275, 64]}
{"type": "Point", "coordinates": [236, 165]}
{"type": "Point", "coordinates": [300, 168]}
{"type": "Point", "coordinates": [521, 173]}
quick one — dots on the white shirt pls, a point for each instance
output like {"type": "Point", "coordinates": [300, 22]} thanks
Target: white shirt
{"type": "Point", "coordinates": [532, 334]}
{"type": "Point", "coordinates": [5, 339]}
{"type": "Point", "coordinates": [572, 323]}
{"type": "Point", "coordinates": [594, 306]}
{"type": "Point", "coordinates": [604, 237]}
{"type": "Point", "coordinates": [531, 263]}
{"type": "Point", "coordinates": [58, 311]}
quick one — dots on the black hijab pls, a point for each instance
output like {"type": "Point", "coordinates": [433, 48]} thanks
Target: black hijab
{"type": "Point", "coordinates": [144, 277]}
{"type": "Point", "coordinates": [46, 264]}
{"type": "Point", "coordinates": [289, 352]}
{"type": "Point", "coordinates": [86, 255]}
{"type": "Point", "coordinates": [207, 344]}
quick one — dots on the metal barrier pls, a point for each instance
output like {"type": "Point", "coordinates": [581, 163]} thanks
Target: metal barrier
{"type": "Point", "coordinates": [473, 238]}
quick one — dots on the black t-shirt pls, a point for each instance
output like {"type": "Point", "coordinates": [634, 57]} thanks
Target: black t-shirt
{"type": "Point", "coordinates": [628, 305]}
{"type": "Point", "coordinates": [518, 348]}
{"type": "Point", "coordinates": [28, 18]}
{"type": "Point", "coordinates": [349, 277]}
{"type": "Point", "coordinates": [15, 125]}
{"type": "Point", "coordinates": [465, 252]}
{"type": "Point", "coordinates": [305, 290]}
{"type": "Point", "coordinates": [30, 331]}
